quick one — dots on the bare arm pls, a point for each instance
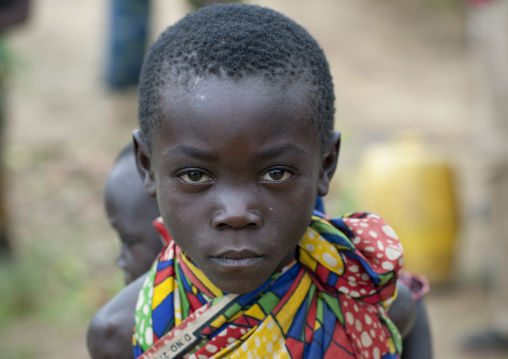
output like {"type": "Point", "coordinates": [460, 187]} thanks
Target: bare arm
{"type": "Point", "coordinates": [109, 334]}
{"type": "Point", "coordinates": [418, 343]}
{"type": "Point", "coordinates": [403, 310]}
{"type": "Point", "coordinates": [411, 319]}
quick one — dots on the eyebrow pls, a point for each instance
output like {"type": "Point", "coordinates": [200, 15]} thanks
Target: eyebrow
{"type": "Point", "coordinates": [288, 148]}
{"type": "Point", "coordinates": [275, 151]}
{"type": "Point", "coordinates": [193, 152]}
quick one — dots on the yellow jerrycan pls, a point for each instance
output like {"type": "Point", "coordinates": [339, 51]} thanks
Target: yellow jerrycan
{"type": "Point", "coordinates": [411, 186]}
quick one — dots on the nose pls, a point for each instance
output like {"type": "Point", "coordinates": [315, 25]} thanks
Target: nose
{"type": "Point", "coordinates": [237, 210]}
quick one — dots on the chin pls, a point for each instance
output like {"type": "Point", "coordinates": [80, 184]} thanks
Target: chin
{"type": "Point", "coordinates": [239, 286]}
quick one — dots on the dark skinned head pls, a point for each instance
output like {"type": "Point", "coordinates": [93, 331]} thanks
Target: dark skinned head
{"type": "Point", "coordinates": [236, 153]}
{"type": "Point", "coordinates": [131, 213]}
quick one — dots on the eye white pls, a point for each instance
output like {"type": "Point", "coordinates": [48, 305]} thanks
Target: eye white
{"type": "Point", "coordinates": [276, 175]}
{"type": "Point", "coordinates": [195, 177]}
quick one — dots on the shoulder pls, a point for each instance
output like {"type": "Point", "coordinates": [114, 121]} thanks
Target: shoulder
{"type": "Point", "coordinates": [376, 240]}
{"type": "Point", "coordinates": [110, 331]}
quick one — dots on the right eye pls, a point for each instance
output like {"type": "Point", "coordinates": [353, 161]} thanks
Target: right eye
{"type": "Point", "coordinates": [195, 176]}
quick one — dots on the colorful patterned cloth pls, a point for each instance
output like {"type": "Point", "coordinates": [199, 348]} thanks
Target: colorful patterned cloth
{"type": "Point", "coordinates": [329, 302]}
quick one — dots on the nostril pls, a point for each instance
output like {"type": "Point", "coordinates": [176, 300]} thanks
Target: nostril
{"type": "Point", "coordinates": [237, 225]}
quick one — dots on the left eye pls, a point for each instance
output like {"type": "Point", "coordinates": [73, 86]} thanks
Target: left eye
{"type": "Point", "coordinates": [276, 175]}
{"type": "Point", "coordinates": [195, 176]}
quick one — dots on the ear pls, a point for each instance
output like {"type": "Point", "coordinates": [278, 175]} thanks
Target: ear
{"type": "Point", "coordinates": [144, 163]}
{"type": "Point", "coordinates": [329, 164]}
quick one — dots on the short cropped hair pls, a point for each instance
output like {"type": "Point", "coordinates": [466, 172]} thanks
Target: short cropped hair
{"type": "Point", "coordinates": [236, 41]}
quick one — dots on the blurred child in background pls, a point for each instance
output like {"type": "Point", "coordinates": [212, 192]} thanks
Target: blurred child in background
{"type": "Point", "coordinates": [131, 213]}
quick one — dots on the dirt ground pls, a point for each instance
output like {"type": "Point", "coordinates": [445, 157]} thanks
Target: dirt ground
{"type": "Point", "coordinates": [397, 65]}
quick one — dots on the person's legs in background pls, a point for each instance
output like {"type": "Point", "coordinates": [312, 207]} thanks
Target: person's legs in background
{"type": "Point", "coordinates": [488, 40]}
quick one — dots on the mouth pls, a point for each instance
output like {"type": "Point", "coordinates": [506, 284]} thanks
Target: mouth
{"type": "Point", "coordinates": [235, 259]}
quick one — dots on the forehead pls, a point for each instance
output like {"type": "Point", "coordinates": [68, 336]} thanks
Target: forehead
{"type": "Point", "coordinates": [244, 106]}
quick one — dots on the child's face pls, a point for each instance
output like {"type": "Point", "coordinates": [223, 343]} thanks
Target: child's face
{"type": "Point", "coordinates": [236, 168]}
{"type": "Point", "coordinates": [131, 213]}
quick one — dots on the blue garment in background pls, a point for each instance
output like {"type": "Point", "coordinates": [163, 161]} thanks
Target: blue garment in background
{"type": "Point", "coordinates": [128, 40]}
{"type": "Point", "coordinates": [319, 205]}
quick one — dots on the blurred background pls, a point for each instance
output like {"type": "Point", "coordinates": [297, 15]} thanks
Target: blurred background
{"type": "Point", "coordinates": [406, 104]}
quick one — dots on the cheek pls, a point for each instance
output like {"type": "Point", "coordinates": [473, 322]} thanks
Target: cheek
{"type": "Point", "coordinates": [183, 216]}
{"type": "Point", "coordinates": [290, 214]}
{"type": "Point", "coordinates": [302, 198]}
{"type": "Point", "coordinates": [167, 201]}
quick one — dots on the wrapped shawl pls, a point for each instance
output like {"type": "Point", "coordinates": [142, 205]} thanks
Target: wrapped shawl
{"type": "Point", "coordinates": [328, 302]}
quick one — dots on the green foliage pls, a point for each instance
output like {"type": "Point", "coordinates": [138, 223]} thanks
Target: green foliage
{"type": "Point", "coordinates": [19, 284]}
{"type": "Point", "coordinates": [26, 352]}
{"type": "Point", "coordinates": [52, 287]}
